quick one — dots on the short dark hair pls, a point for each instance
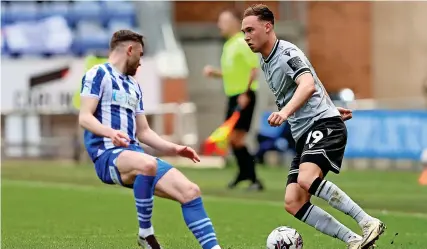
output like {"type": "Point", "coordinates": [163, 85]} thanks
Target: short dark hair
{"type": "Point", "coordinates": [261, 11]}
{"type": "Point", "coordinates": [123, 36]}
{"type": "Point", "coordinates": [236, 13]}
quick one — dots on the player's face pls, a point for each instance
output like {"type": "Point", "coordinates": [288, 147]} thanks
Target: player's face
{"type": "Point", "coordinates": [256, 32]}
{"type": "Point", "coordinates": [226, 24]}
{"type": "Point", "coordinates": [134, 52]}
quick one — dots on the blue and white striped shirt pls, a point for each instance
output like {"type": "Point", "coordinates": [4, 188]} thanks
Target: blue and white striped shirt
{"type": "Point", "coordinates": [120, 100]}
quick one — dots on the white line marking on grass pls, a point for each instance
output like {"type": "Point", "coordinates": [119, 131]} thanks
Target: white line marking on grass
{"type": "Point", "coordinates": [120, 190]}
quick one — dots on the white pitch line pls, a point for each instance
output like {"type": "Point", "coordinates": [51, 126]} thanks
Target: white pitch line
{"type": "Point", "coordinates": [119, 190]}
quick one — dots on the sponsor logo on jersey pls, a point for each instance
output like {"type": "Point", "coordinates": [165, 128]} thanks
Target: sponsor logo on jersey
{"type": "Point", "coordinates": [124, 99]}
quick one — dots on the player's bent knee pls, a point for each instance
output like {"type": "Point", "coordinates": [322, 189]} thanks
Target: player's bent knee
{"type": "Point", "coordinates": [304, 182]}
{"type": "Point", "coordinates": [308, 172]}
{"type": "Point", "coordinates": [191, 192]}
{"type": "Point", "coordinates": [145, 166]}
{"type": "Point", "coordinates": [292, 204]}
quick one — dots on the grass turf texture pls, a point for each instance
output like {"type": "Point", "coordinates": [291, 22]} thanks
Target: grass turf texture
{"type": "Point", "coordinates": [49, 206]}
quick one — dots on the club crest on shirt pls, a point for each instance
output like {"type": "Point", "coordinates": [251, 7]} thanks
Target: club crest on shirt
{"type": "Point", "coordinates": [288, 51]}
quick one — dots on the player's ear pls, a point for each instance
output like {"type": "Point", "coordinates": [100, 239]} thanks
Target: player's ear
{"type": "Point", "coordinates": [268, 26]}
{"type": "Point", "coordinates": [129, 50]}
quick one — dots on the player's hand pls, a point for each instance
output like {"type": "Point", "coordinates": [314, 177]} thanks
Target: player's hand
{"type": "Point", "coordinates": [188, 152]}
{"type": "Point", "coordinates": [209, 71]}
{"type": "Point", "coordinates": [119, 138]}
{"type": "Point", "coordinates": [276, 119]}
{"type": "Point", "coordinates": [243, 100]}
{"type": "Point", "coordinates": [346, 114]}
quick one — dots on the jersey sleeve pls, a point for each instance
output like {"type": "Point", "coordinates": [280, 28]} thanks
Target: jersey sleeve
{"type": "Point", "coordinates": [92, 82]}
{"type": "Point", "coordinates": [140, 106]}
{"type": "Point", "coordinates": [293, 62]}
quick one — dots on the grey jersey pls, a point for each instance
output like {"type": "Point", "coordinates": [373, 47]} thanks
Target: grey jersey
{"type": "Point", "coordinates": [281, 68]}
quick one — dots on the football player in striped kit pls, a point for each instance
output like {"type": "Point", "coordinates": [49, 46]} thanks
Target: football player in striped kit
{"type": "Point", "coordinates": [112, 114]}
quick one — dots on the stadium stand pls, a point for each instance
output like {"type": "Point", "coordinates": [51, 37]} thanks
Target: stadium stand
{"type": "Point", "coordinates": [97, 18]}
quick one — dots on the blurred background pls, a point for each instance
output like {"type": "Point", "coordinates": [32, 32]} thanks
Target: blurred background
{"type": "Point", "coordinates": [370, 56]}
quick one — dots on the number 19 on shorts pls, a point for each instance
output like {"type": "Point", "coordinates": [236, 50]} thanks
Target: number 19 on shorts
{"type": "Point", "coordinates": [315, 135]}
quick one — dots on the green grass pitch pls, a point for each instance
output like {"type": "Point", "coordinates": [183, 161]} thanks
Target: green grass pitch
{"type": "Point", "coordinates": [45, 205]}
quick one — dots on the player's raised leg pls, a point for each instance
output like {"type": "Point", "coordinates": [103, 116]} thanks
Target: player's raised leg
{"type": "Point", "coordinates": [175, 186]}
{"type": "Point", "coordinates": [297, 203]}
{"type": "Point", "coordinates": [139, 169]}
{"type": "Point", "coordinates": [310, 180]}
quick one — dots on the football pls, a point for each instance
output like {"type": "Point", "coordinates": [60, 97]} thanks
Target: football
{"type": "Point", "coordinates": [284, 238]}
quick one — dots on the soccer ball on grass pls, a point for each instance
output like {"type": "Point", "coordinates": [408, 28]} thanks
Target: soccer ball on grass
{"type": "Point", "coordinates": [284, 238]}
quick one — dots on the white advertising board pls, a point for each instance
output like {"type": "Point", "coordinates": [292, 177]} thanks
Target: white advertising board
{"type": "Point", "coordinates": [55, 96]}
{"type": "Point", "coordinates": [46, 86]}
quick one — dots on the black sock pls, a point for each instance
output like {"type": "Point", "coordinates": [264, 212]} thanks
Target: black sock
{"type": "Point", "coordinates": [246, 163]}
{"type": "Point", "coordinates": [242, 174]}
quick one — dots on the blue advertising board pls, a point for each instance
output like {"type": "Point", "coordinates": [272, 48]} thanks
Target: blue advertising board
{"type": "Point", "coordinates": [387, 134]}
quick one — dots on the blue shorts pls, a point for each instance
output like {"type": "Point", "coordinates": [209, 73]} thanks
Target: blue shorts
{"type": "Point", "coordinates": [106, 168]}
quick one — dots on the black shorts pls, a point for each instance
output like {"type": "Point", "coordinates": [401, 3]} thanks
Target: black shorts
{"type": "Point", "coordinates": [245, 120]}
{"type": "Point", "coordinates": [323, 145]}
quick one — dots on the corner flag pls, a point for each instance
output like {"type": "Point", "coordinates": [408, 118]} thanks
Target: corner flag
{"type": "Point", "coordinates": [217, 142]}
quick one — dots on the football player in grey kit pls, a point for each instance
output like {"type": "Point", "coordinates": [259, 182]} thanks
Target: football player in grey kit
{"type": "Point", "coordinates": [317, 127]}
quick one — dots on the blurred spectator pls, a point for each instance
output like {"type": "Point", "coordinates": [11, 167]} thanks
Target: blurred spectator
{"type": "Point", "coordinates": [25, 37]}
{"type": "Point", "coordinates": [62, 27]}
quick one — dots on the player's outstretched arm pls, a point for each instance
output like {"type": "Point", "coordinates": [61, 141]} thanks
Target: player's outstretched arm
{"type": "Point", "coordinates": [147, 136]}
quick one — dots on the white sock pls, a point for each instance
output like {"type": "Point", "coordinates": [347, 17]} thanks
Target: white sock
{"type": "Point", "coordinates": [327, 224]}
{"type": "Point", "coordinates": [216, 247]}
{"type": "Point", "coordinates": [341, 201]}
{"type": "Point", "coordinates": [145, 232]}
{"type": "Point", "coordinates": [365, 220]}
{"type": "Point", "coordinates": [357, 237]}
